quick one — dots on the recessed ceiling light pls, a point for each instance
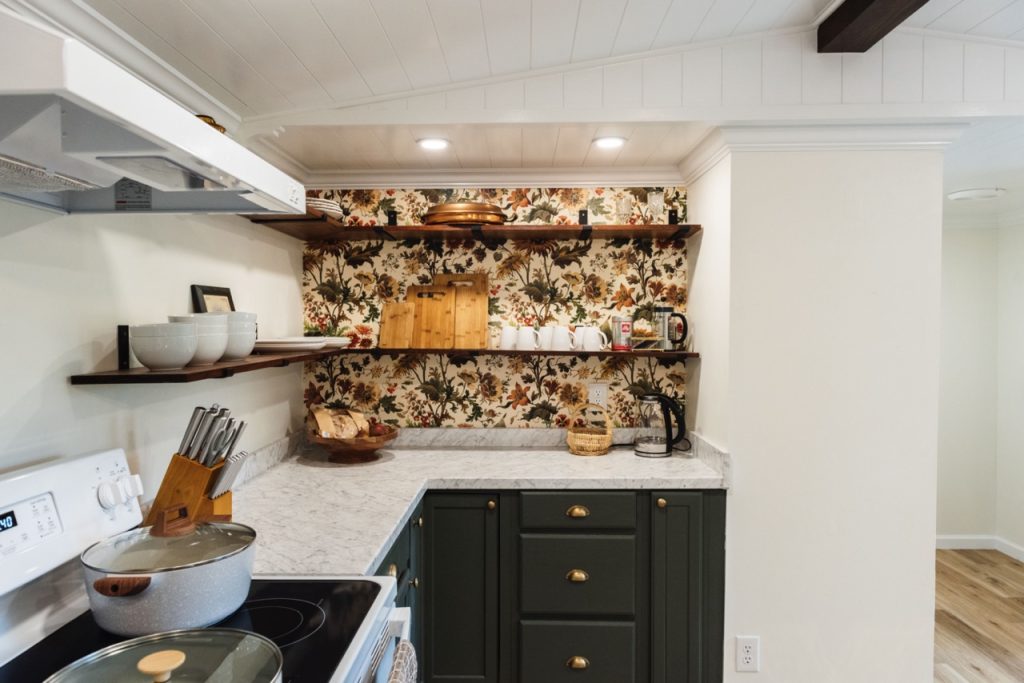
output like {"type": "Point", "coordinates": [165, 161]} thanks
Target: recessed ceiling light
{"type": "Point", "coordinates": [976, 194]}
{"type": "Point", "coordinates": [609, 142]}
{"type": "Point", "coordinates": [433, 143]}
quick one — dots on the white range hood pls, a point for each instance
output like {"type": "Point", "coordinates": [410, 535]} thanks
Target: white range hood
{"type": "Point", "coordinates": [79, 134]}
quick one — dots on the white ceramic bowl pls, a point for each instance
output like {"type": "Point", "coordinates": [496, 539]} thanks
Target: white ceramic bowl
{"type": "Point", "coordinates": [210, 348]}
{"type": "Point", "coordinates": [240, 344]}
{"type": "Point", "coordinates": [163, 330]}
{"type": "Point", "coordinates": [166, 352]}
{"type": "Point", "coordinates": [201, 320]}
{"type": "Point", "coordinates": [241, 316]}
{"type": "Point", "coordinates": [242, 326]}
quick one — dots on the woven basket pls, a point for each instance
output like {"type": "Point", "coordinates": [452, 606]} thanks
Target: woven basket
{"type": "Point", "coordinates": [590, 439]}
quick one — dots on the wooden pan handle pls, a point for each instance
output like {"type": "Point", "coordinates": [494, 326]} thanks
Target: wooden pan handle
{"type": "Point", "coordinates": [121, 586]}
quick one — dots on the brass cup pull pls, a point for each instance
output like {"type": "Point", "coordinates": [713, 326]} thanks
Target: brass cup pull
{"type": "Point", "coordinates": [577, 576]}
{"type": "Point", "coordinates": [393, 571]}
{"type": "Point", "coordinates": [491, 505]}
{"type": "Point", "coordinates": [577, 512]}
{"type": "Point", "coordinates": [577, 662]}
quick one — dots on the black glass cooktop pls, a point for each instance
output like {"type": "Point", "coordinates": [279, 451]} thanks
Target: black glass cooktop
{"type": "Point", "coordinates": [313, 622]}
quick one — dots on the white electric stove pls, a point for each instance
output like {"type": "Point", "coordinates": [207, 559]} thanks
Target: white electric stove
{"type": "Point", "coordinates": [337, 629]}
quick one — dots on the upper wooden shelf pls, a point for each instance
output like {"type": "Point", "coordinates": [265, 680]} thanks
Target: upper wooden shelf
{"type": "Point", "coordinates": [260, 361]}
{"type": "Point", "coordinates": [315, 226]}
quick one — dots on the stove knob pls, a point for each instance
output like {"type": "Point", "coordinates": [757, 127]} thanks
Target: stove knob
{"type": "Point", "coordinates": [131, 485]}
{"type": "Point", "coordinates": [109, 494]}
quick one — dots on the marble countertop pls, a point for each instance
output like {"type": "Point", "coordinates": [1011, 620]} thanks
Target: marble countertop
{"type": "Point", "coordinates": [313, 517]}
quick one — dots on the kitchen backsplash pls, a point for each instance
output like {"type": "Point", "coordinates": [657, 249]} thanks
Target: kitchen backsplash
{"type": "Point", "coordinates": [531, 282]}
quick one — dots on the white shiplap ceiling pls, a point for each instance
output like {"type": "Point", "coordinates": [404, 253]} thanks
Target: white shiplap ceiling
{"type": "Point", "coordinates": [489, 146]}
{"type": "Point", "coordinates": [985, 18]}
{"type": "Point", "coordinates": [265, 56]}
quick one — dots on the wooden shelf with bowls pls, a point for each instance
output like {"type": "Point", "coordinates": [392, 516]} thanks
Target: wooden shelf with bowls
{"type": "Point", "coordinates": [257, 361]}
{"type": "Point", "coordinates": [261, 361]}
{"type": "Point", "coordinates": [315, 225]}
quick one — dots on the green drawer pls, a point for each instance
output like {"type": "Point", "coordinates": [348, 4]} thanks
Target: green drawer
{"type": "Point", "coordinates": [603, 651]}
{"type": "Point", "coordinates": [567, 574]}
{"type": "Point", "coordinates": [583, 510]}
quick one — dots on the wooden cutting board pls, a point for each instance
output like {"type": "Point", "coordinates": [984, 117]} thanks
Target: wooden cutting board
{"type": "Point", "coordinates": [471, 301]}
{"type": "Point", "coordinates": [396, 324]}
{"type": "Point", "coordinates": [434, 324]}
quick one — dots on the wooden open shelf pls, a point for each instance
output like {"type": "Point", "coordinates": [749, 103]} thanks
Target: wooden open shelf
{"type": "Point", "coordinates": [260, 361]}
{"type": "Point", "coordinates": [314, 225]}
{"type": "Point", "coordinates": [257, 361]}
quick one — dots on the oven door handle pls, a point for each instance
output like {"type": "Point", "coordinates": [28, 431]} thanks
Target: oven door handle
{"type": "Point", "coordinates": [400, 623]}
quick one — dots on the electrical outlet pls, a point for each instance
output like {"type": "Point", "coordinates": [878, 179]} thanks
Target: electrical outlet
{"type": "Point", "coordinates": [748, 653]}
{"type": "Point", "coordinates": [597, 392]}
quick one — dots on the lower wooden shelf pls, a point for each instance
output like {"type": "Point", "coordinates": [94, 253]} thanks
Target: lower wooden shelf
{"type": "Point", "coordinates": [260, 361]}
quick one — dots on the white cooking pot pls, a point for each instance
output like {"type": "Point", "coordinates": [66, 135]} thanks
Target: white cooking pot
{"type": "Point", "coordinates": [173, 575]}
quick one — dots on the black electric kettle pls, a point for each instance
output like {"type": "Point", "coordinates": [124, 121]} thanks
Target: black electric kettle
{"type": "Point", "coordinates": [655, 436]}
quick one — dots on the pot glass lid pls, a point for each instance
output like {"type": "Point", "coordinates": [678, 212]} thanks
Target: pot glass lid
{"type": "Point", "coordinates": [138, 551]}
{"type": "Point", "coordinates": [212, 655]}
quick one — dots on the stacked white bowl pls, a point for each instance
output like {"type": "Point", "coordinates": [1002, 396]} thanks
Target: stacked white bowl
{"type": "Point", "coordinates": [241, 334]}
{"type": "Point", "coordinates": [164, 346]}
{"type": "Point", "coordinates": [211, 333]}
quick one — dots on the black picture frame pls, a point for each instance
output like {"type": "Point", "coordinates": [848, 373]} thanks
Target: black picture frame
{"type": "Point", "coordinates": [209, 299]}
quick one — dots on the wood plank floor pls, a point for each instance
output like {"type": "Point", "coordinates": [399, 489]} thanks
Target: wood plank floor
{"type": "Point", "coordinates": [979, 617]}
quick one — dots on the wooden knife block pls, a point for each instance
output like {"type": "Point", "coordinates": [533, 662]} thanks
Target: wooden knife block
{"type": "Point", "coordinates": [188, 483]}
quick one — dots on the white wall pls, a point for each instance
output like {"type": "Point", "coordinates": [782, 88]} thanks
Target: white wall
{"type": "Point", "coordinates": [1010, 462]}
{"type": "Point", "coordinates": [967, 383]}
{"type": "Point", "coordinates": [66, 282]}
{"type": "Point", "coordinates": [707, 306]}
{"type": "Point", "coordinates": [833, 402]}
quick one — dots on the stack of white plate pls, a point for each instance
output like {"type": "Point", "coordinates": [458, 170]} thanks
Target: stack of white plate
{"type": "Point", "coordinates": [328, 206]}
{"type": "Point", "coordinates": [291, 344]}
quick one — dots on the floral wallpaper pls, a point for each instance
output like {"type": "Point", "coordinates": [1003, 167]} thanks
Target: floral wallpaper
{"type": "Point", "coordinates": [532, 282]}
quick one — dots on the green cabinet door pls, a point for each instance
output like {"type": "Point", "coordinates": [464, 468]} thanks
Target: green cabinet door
{"type": "Point", "coordinates": [459, 588]}
{"type": "Point", "coordinates": [687, 573]}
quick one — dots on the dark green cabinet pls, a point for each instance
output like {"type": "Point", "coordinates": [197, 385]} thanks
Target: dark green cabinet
{"type": "Point", "coordinates": [403, 562]}
{"type": "Point", "coordinates": [687, 575]}
{"type": "Point", "coordinates": [549, 586]}
{"type": "Point", "coordinates": [460, 588]}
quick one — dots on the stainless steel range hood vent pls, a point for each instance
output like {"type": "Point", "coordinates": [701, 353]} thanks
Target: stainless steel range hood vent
{"type": "Point", "coordinates": [79, 134]}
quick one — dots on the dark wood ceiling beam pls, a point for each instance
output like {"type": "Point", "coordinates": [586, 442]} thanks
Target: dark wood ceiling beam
{"type": "Point", "coordinates": [856, 25]}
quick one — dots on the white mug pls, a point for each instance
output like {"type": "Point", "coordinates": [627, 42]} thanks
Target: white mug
{"type": "Point", "coordinates": [508, 338]}
{"type": "Point", "coordinates": [527, 339]}
{"type": "Point", "coordinates": [545, 333]}
{"type": "Point", "coordinates": [590, 339]}
{"type": "Point", "coordinates": [562, 339]}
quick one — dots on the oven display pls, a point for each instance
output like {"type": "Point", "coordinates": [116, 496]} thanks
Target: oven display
{"type": "Point", "coordinates": [8, 520]}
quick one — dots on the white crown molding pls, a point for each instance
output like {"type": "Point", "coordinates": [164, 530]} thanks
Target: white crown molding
{"type": "Point", "coordinates": [815, 137]}
{"type": "Point", "coordinates": [78, 20]}
{"type": "Point", "coordinates": [492, 177]}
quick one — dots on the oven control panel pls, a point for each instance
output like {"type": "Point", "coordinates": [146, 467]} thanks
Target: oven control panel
{"type": "Point", "coordinates": [51, 512]}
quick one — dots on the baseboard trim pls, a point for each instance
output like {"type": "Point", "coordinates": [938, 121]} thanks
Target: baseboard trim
{"type": "Point", "coordinates": [979, 542]}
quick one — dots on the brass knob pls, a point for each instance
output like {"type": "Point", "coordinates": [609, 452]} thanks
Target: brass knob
{"type": "Point", "coordinates": [577, 662]}
{"type": "Point", "coordinates": [662, 503]}
{"type": "Point", "coordinates": [393, 571]}
{"type": "Point", "coordinates": [577, 511]}
{"type": "Point", "coordinates": [577, 576]}
{"type": "Point", "coordinates": [416, 582]}
{"type": "Point", "coordinates": [491, 505]}
{"type": "Point", "coordinates": [418, 522]}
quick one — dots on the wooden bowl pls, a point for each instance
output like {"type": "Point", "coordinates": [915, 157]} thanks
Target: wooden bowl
{"type": "Point", "coordinates": [354, 450]}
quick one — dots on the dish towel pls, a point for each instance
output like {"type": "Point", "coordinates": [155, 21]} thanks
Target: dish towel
{"type": "Point", "coordinates": [404, 668]}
